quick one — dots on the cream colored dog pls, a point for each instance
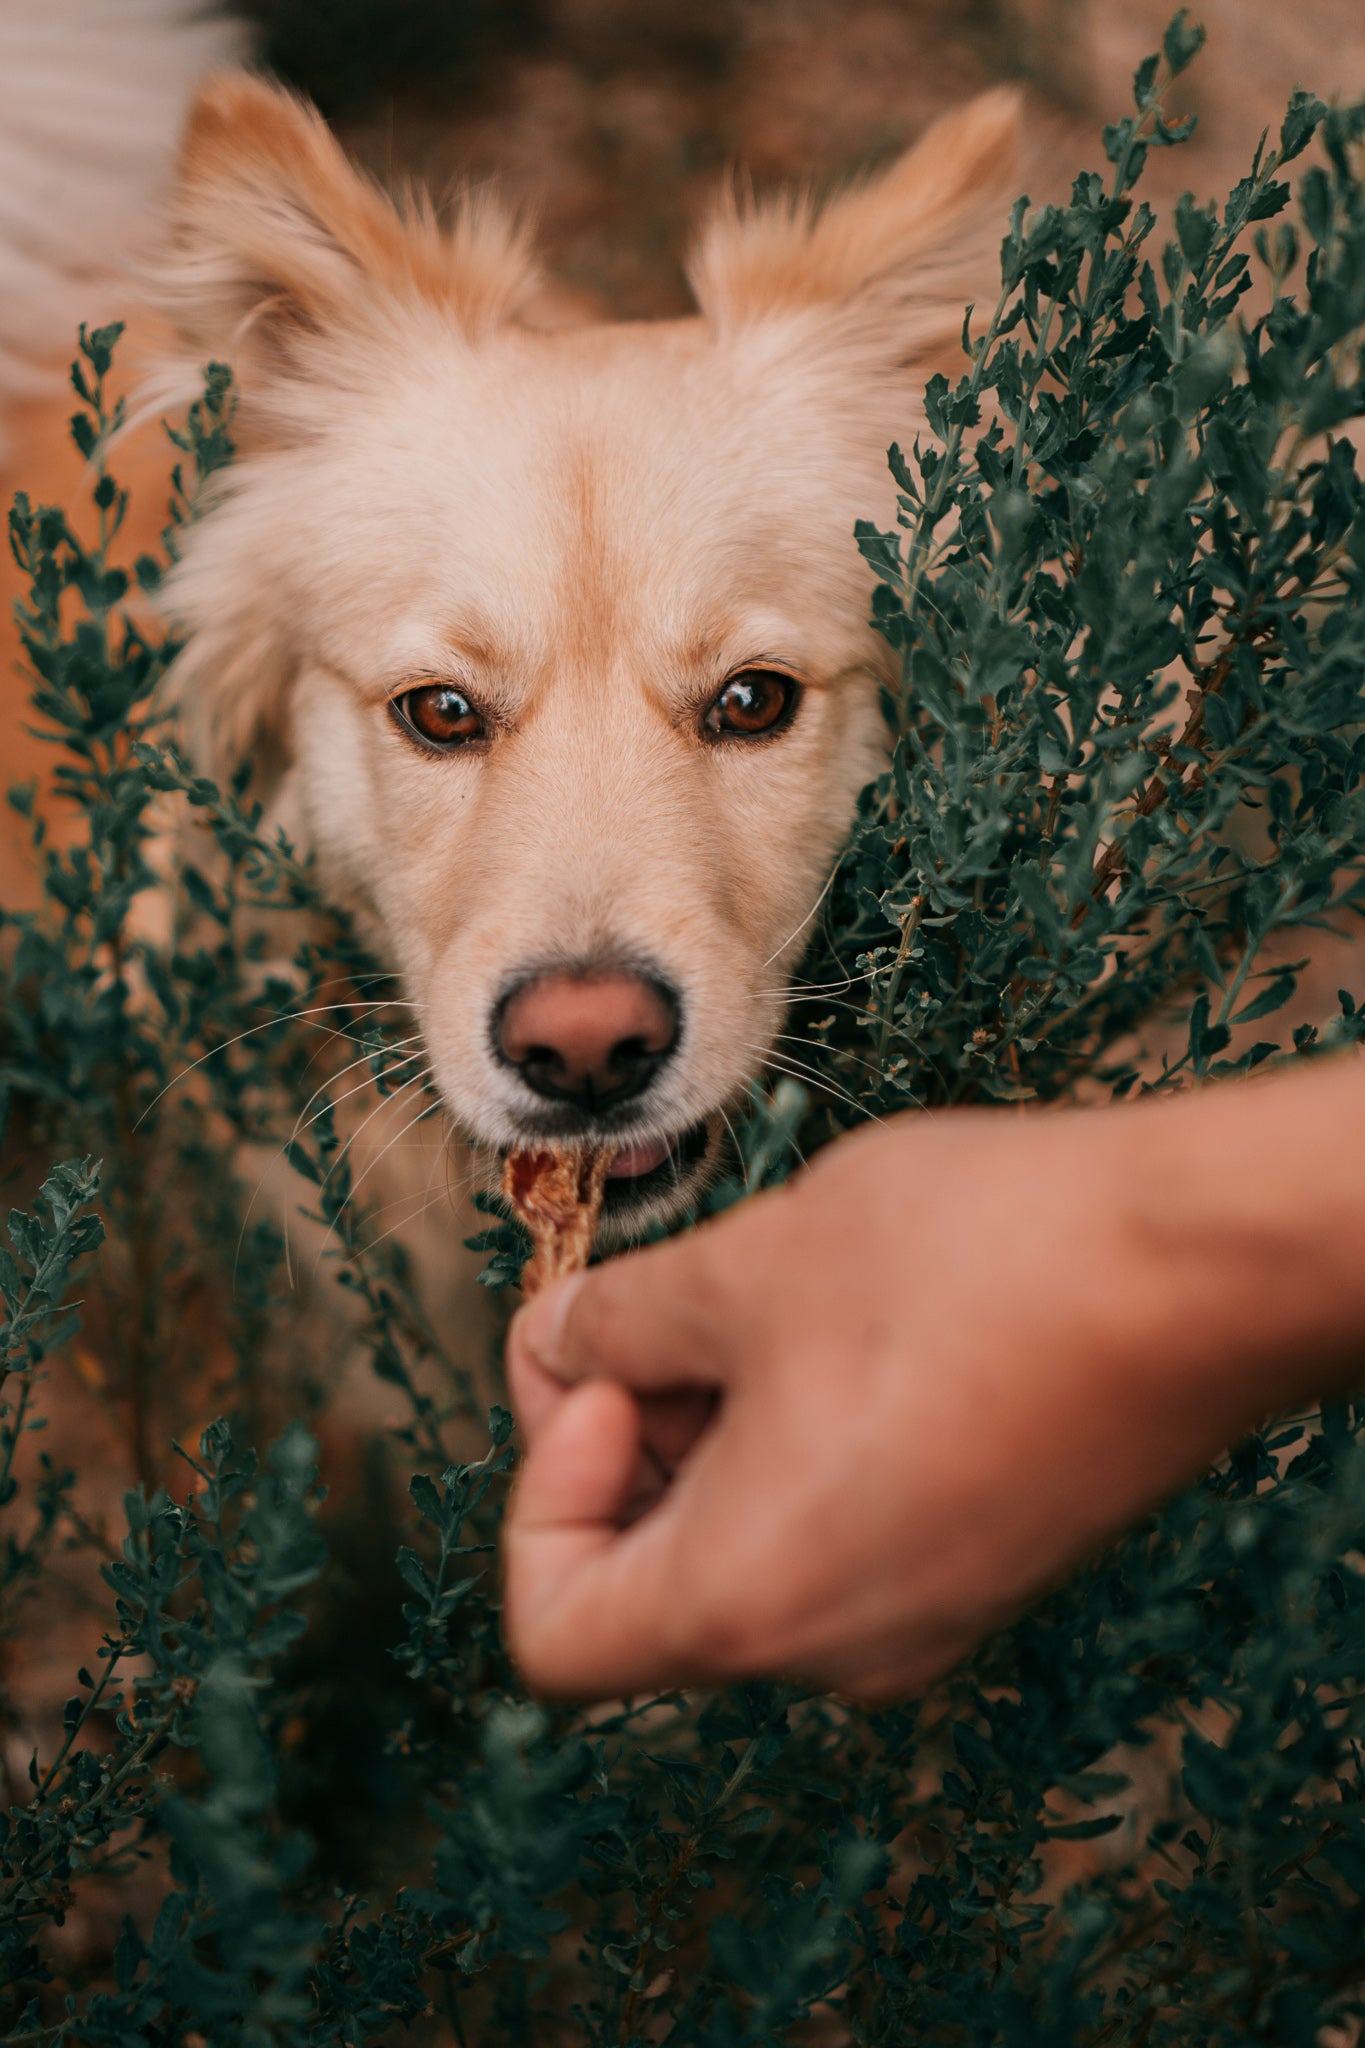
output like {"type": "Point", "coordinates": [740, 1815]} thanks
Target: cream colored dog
{"type": "Point", "coordinates": [554, 642]}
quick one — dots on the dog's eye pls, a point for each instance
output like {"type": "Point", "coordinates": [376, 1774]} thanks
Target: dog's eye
{"type": "Point", "coordinates": [755, 702]}
{"type": "Point", "coordinates": [440, 715]}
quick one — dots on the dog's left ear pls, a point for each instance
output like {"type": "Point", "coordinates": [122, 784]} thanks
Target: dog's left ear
{"type": "Point", "coordinates": [887, 265]}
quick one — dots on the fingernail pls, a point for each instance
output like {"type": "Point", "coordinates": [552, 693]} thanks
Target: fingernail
{"type": "Point", "coordinates": [540, 1325]}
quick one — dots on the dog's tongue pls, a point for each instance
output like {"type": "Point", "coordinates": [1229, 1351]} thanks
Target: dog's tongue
{"type": "Point", "coordinates": [637, 1159]}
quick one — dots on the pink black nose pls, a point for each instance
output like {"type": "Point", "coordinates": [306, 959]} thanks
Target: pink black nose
{"type": "Point", "coordinates": [594, 1040]}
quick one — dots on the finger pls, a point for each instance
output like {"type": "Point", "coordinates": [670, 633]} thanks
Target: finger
{"type": "Point", "coordinates": [534, 1393]}
{"type": "Point", "coordinates": [578, 1476]}
{"type": "Point", "coordinates": [670, 1424]}
{"type": "Point", "coordinates": [658, 1319]}
{"type": "Point", "coordinates": [674, 1422]}
{"type": "Point", "coordinates": [590, 1607]}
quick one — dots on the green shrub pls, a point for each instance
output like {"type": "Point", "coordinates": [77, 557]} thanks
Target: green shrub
{"type": "Point", "coordinates": [295, 1796]}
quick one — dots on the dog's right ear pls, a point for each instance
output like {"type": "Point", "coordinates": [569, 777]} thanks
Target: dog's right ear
{"type": "Point", "coordinates": [276, 238]}
{"type": "Point", "coordinates": [284, 261]}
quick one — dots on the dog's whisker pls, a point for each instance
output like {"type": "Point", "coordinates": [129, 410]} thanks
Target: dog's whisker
{"type": "Point", "coordinates": [341, 1073]}
{"type": "Point", "coordinates": [674, 1159]}
{"type": "Point", "coordinates": [425, 1111]}
{"type": "Point", "coordinates": [428, 1108]}
{"type": "Point", "coordinates": [477, 1168]}
{"type": "Point", "coordinates": [828, 885]}
{"type": "Point", "coordinates": [835, 1052]}
{"type": "Point", "coordinates": [807, 1070]}
{"type": "Point", "coordinates": [427, 1197]}
{"type": "Point", "coordinates": [261, 1179]}
{"type": "Point", "coordinates": [797, 1070]}
{"type": "Point", "coordinates": [372, 1049]}
{"type": "Point", "coordinates": [872, 1066]}
{"type": "Point", "coordinates": [281, 1017]}
{"type": "Point", "coordinates": [383, 1103]}
{"type": "Point", "coordinates": [443, 1157]}
{"type": "Point", "coordinates": [815, 988]}
{"type": "Point", "coordinates": [414, 1080]}
{"type": "Point", "coordinates": [776, 1063]}
{"type": "Point", "coordinates": [282, 1153]}
{"type": "Point", "coordinates": [807, 1079]}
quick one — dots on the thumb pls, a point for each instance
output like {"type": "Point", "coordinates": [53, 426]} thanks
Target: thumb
{"type": "Point", "coordinates": [586, 1602]}
{"type": "Point", "coordinates": [659, 1319]}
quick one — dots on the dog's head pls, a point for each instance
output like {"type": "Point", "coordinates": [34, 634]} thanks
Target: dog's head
{"type": "Point", "coordinates": [560, 637]}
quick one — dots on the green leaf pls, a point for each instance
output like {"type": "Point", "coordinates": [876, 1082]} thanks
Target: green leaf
{"type": "Point", "coordinates": [1182, 42]}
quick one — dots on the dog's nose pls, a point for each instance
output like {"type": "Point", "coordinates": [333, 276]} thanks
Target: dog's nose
{"type": "Point", "coordinates": [590, 1039]}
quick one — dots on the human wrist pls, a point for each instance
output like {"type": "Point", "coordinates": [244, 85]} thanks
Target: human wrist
{"type": "Point", "coordinates": [1245, 1206]}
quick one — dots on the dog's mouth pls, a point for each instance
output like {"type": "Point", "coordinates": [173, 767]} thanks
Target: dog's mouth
{"type": "Point", "coordinates": [653, 1178]}
{"type": "Point", "coordinates": [656, 1169]}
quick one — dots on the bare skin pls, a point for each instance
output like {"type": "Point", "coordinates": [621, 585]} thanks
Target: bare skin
{"type": "Point", "coordinates": [847, 1430]}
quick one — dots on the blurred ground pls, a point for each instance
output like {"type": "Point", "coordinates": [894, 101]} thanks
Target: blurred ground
{"type": "Point", "coordinates": [613, 123]}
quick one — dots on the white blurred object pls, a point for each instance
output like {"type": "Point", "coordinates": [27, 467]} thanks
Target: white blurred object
{"type": "Point", "coordinates": [93, 95]}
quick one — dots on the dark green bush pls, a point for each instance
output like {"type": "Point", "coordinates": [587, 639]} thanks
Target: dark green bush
{"type": "Point", "coordinates": [294, 1795]}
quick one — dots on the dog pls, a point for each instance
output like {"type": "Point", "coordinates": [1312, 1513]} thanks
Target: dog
{"type": "Point", "coordinates": [552, 640]}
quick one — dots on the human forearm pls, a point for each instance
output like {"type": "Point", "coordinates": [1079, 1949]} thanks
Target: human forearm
{"type": "Point", "coordinates": [1247, 1213]}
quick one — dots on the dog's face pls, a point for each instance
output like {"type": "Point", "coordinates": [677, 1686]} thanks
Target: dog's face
{"type": "Point", "coordinates": [562, 635]}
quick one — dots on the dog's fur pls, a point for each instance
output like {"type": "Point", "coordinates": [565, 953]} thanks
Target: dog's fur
{"type": "Point", "coordinates": [586, 529]}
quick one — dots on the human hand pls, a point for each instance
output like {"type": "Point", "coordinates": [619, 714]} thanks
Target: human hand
{"type": "Point", "coordinates": [849, 1428]}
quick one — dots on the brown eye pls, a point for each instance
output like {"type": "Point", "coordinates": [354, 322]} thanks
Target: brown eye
{"type": "Point", "coordinates": [755, 702]}
{"type": "Point", "coordinates": [440, 715]}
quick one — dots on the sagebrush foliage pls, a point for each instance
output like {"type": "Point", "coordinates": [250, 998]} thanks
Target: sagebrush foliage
{"type": "Point", "coordinates": [1131, 616]}
{"type": "Point", "coordinates": [294, 1796]}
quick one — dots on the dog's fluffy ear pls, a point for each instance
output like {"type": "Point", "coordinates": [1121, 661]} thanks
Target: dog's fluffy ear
{"type": "Point", "coordinates": [894, 259]}
{"type": "Point", "coordinates": [284, 261]}
{"type": "Point", "coordinates": [275, 236]}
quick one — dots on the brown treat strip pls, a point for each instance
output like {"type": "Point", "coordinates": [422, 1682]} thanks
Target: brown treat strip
{"type": "Point", "coordinates": [558, 1196]}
